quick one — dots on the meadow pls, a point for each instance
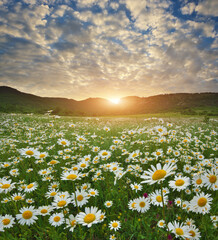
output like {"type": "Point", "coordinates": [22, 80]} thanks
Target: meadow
{"type": "Point", "coordinates": [138, 178]}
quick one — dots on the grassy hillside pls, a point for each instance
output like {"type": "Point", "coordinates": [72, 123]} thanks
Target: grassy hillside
{"type": "Point", "coordinates": [12, 100]}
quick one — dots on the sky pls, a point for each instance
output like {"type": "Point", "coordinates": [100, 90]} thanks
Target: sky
{"type": "Point", "coordinates": [108, 48]}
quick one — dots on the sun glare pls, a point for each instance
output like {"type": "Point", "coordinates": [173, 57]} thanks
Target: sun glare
{"type": "Point", "coordinates": [114, 100]}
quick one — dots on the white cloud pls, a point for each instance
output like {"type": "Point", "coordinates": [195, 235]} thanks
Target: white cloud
{"type": "Point", "coordinates": [188, 8]}
{"type": "Point", "coordinates": [208, 8]}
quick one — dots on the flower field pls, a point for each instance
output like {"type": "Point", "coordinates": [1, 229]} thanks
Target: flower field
{"type": "Point", "coordinates": [98, 178]}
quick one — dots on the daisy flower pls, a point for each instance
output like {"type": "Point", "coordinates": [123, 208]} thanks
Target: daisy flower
{"type": "Point", "coordinates": [112, 237]}
{"type": "Point", "coordinates": [211, 179]}
{"type": "Point", "coordinates": [108, 204]}
{"type": "Point", "coordinates": [44, 210]}
{"type": "Point", "coordinates": [194, 233]}
{"type": "Point", "coordinates": [28, 152]}
{"type": "Point", "coordinates": [31, 187]}
{"type": "Point", "coordinates": [136, 187]}
{"type": "Point", "coordinates": [201, 203]}
{"type": "Point", "coordinates": [161, 223]}
{"type": "Point", "coordinates": [56, 219]}
{"type": "Point", "coordinates": [197, 181]}
{"type": "Point", "coordinates": [6, 221]}
{"type": "Point", "coordinates": [63, 142]}
{"type": "Point", "coordinates": [27, 216]}
{"type": "Point", "coordinates": [93, 192]}
{"type": "Point", "coordinates": [115, 225]}
{"type": "Point", "coordinates": [132, 204]}
{"type": "Point", "coordinates": [104, 154]}
{"type": "Point", "coordinates": [71, 223]}
{"type": "Point", "coordinates": [158, 173]}
{"type": "Point", "coordinates": [17, 196]}
{"type": "Point", "coordinates": [156, 198]}
{"type": "Point", "coordinates": [89, 217]}
{"type": "Point", "coordinates": [179, 230]}
{"type": "Point", "coordinates": [81, 198]}
{"type": "Point", "coordinates": [71, 175]}
{"type": "Point", "coordinates": [179, 183]}
{"type": "Point", "coordinates": [61, 201]}
{"type": "Point", "coordinates": [142, 204]}
{"type": "Point", "coordinates": [6, 185]}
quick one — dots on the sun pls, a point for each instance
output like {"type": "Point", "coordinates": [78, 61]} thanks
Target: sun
{"type": "Point", "coordinates": [114, 100]}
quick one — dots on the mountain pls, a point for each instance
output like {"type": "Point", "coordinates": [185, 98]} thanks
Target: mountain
{"type": "Point", "coordinates": [12, 100]}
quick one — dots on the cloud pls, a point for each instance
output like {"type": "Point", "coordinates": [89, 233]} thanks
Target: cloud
{"type": "Point", "coordinates": [207, 8]}
{"type": "Point", "coordinates": [91, 48]}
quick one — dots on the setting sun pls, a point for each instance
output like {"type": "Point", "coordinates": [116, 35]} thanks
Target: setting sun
{"type": "Point", "coordinates": [114, 100]}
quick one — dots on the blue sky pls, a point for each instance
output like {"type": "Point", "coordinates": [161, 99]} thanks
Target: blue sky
{"type": "Point", "coordinates": [111, 49]}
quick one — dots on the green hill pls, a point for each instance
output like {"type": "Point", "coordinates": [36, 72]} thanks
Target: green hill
{"type": "Point", "coordinates": [12, 100]}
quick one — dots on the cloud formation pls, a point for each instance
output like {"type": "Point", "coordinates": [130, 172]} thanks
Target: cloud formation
{"type": "Point", "coordinates": [86, 48]}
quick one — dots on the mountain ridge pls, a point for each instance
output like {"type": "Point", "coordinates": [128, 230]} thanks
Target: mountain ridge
{"type": "Point", "coordinates": [13, 100]}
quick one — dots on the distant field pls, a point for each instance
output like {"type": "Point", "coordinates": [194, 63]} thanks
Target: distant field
{"type": "Point", "coordinates": [139, 177]}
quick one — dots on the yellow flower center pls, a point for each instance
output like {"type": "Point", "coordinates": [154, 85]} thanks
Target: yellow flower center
{"type": "Point", "coordinates": [54, 186]}
{"type": "Point", "coordinates": [44, 172]}
{"type": "Point", "coordinates": [212, 179]}
{"type": "Point", "coordinates": [104, 154]}
{"type": "Point", "coordinates": [158, 153]}
{"type": "Point", "coordinates": [114, 224]}
{"type": "Point", "coordinates": [142, 204]}
{"type": "Point", "coordinates": [6, 186]}
{"type": "Point", "coordinates": [43, 211]}
{"type": "Point", "coordinates": [136, 187]}
{"type": "Point", "coordinates": [83, 165]}
{"type": "Point", "coordinates": [30, 185]}
{"type": "Point", "coordinates": [199, 181]}
{"type": "Point", "coordinates": [63, 143]}
{"type": "Point", "coordinates": [42, 155]}
{"type": "Point", "coordinates": [85, 187]}
{"type": "Point", "coordinates": [6, 221]}
{"type": "Point", "coordinates": [133, 205]}
{"type": "Point", "coordinates": [159, 174]}
{"type": "Point", "coordinates": [57, 219]}
{"type": "Point", "coordinates": [29, 152]}
{"type": "Point", "coordinates": [161, 223]}
{"type": "Point", "coordinates": [134, 155]}
{"type": "Point", "coordinates": [16, 198]}
{"type": "Point", "coordinates": [192, 233]}
{"type": "Point", "coordinates": [53, 194]}
{"type": "Point", "coordinates": [27, 214]}
{"type": "Point", "coordinates": [73, 223]}
{"type": "Point", "coordinates": [62, 203]}
{"type": "Point", "coordinates": [6, 165]}
{"type": "Point", "coordinates": [93, 193]}
{"type": "Point", "coordinates": [71, 176]}
{"type": "Point", "coordinates": [80, 197]}
{"type": "Point", "coordinates": [114, 168]}
{"type": "Point", "coordinates": [179, 231]}
{"type": "Point", "coordinates": [89, 218]}
{"type": "Point", "coordinates": [202, 201]}
{"type": "Point", "coordinates": [53, 161]}
{"type": "Point", "coordinates": [159, 199]}
{"type": "Point", "coordinates": [179, 182]}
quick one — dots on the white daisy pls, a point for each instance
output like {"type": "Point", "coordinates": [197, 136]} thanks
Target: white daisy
{"type": "Point", "coordinates": [81, 198]}
{"type": "Point", "coordinates": [44, 210]}
{"type": "Point", "coordinates": [156, 198]}
{"type": "Point", "coordinates": [27, 216]}
{"type": "Point", "coordinates": [6, 221]}
{"type": "Point", "coordinates": [136, 187]}
{"type": "Point", "coordinates": [31, 187]}
{"type": "Point", "coordinates": [179, 230]}
{"type": "Point", "coordinates": [115, 225]}
{"type": "Point", "coordinates": [61, 201]}
{"type": "Point", "coordinates": [142, 204]}
{"type": "Point", "coordinates": [71, 223]}
{"type": "Point", "coordinates": [201, 203]}
{"type": "Point", "coordinates": [179, 183]}
{"type": "Point", "coordinates": [71, 175]}
{"type": "Point", "coordinates": [158, 173]}
{"type": "Point", "coordinates": [56, 219]}
{"type": "Point", "coordinates": [6, 185]}
{"type": "Point", "coordinates": [161, 224]}
{"type": "Point", "coordinates": [89, 217]}
{"type": "Point", "coordinates": [108, 204]}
